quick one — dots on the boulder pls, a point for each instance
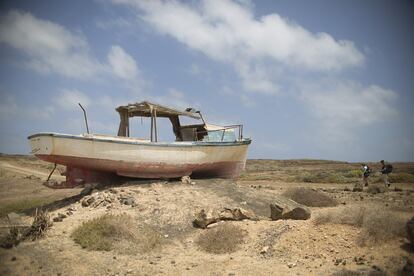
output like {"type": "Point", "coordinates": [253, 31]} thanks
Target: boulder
{"type": "Point", "coordinates": [204, 218]}
{"type": "Point", "coordinates": [410, 231]}
{"type": "Point", "coordinates": [236, 214]}
{"type": "Point", "coordinates": [285, 208]}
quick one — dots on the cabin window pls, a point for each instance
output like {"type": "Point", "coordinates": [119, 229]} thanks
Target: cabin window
{"type": "Point", "coordinates": [220, 136]}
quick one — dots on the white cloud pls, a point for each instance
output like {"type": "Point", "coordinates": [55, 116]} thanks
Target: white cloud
{"type": "Point", "coordinates": [174, 98]}
{"type": "Point", "coordinates": [49, 47]}
{"type": "Point", "coordinates": [122, 64]}
{"type": "Point", "coordinates": [10, 109]}
{"type": "Point", "coordinates": [349, 104]}
{"type": "Point", "coordinates": [68, 99]}
{"type": "Point", "coordinates": [227, 31]}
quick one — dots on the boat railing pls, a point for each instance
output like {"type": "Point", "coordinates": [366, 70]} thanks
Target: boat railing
{"type": "Point", "coordinates": [223, 131]}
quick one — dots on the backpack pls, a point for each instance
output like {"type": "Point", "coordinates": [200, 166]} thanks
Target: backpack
{"type": "Point", "coordinates": [388, 168]}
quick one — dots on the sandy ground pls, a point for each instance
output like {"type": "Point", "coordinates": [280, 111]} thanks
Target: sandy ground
{"type": "Point", "coordinates": [294, 247]}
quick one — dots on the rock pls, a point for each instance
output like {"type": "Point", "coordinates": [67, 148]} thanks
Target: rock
{"type": "Point", "coordinates": [128, 201]}
{"type": "Point", "coordinates": [62, 216]}
{"type": "Point", "coordinates": [241, 214]}
{"type": "Point", "coordinates": [264, 250]}
{"type": "Point", "coordinates": [204, 218]}
{"type": "Point", "coordinates": [57, 219]}
{"type": "Point", "coordinates": [410, 231]}
{"type": "Point", "coordinates": [87, 201]}
{"type": "Point", "coordinates": [346, 189]}
{"type": "Point", "coordinates": [359, 260]}
{"type": "Point", "coordinates": [186, 179]}
{"type": "Point", "coordinates": [290, 265]}
{"type": "Point", "coordinates": [285, 208]}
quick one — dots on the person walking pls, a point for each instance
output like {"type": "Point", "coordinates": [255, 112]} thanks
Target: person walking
{"type": "Point", "coordinates": [366, 171]}
{"type": "Point", "coordinates": [386, 169]}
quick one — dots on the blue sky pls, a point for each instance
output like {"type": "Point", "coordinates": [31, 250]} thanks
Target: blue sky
{"type": "Point", "coordinates": [308, 79]}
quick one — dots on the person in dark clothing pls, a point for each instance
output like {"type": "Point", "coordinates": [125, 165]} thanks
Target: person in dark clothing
{"type": "Point", "coordinates": [386, 169]}
{"type": "Point", "coordinates": [366, 171]}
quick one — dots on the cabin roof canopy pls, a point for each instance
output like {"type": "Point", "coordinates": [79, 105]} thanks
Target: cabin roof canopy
{"type": "Point", "coordinates": [146, 109]}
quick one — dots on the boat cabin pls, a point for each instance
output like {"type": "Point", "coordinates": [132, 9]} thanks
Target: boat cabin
{"type": "Point", "coordinates": [195, 132]}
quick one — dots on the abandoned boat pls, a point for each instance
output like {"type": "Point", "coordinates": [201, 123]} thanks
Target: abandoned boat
{"type": "Point", "coordinates": [199, 150]}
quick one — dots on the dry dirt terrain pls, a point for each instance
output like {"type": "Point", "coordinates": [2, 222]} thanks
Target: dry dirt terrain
{"type": "Point", "coordinates": [146, 227]}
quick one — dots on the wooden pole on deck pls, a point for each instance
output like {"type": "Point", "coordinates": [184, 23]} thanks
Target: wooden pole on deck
{"type": "Point", "coordinates": [155, 125]}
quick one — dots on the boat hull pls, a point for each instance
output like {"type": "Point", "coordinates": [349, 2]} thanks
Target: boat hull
{"type": "Point", "coordinates": [142, 159]}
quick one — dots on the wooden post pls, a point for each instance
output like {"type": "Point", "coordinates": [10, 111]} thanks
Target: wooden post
{"type": "Point", "coordinates": [155, 125]}
{"type": "Point", "coordinates": [152, 123]}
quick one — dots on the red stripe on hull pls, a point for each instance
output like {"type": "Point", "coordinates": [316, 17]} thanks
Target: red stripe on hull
{"type": "Point", "coordinates": [149, 170]}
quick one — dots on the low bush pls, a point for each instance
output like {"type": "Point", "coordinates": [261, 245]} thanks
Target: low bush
{"type": "Point", "coordinates": [224, 238]}
{"type": "Point", "coordinates": [401, 177]}
{"type": "Point", "coordinates": [116, 232]}
{"type": "Point", "coordinates": [377, 225]}
{"type": "Point", "coordinates": [310, 197]}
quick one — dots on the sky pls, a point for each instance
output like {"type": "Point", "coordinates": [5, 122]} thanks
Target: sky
{"type": "Point", "coordinates": [308, 79]}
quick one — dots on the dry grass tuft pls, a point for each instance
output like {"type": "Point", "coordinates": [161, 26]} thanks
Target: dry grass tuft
{"type": "Point", "coordinates": [40, 225]}
{"type": "Point", "coordinates": [118, 232]}
{"type": "Point", "coordinates": [224, 238]}
{"type": "Point", "coordinates": [377, 225]}
{"type": "Point", "coordinates": [309, 197]}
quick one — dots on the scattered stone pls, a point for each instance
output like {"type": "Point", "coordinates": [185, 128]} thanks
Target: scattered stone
{"type": "Point", "coordinates": [397, 189]}
{"type": "Point", "coordinates": [128, 201]}
{"type": "Point", "coordinates": [346, 189]}
{"type": "Point", "coordinates": [285, 208]}
{"type": "Point", "coordinates": [410, 231]}
{"type": "Point", "coordinates": [71, 209]}
{"type": "Point", "coordinates": [63, 216]}
{"type": "Point", "coordinates": [186, 179]}
{"type": "Point", "coordinates": [13, 258]}
{"type": "Point", "coordinates": [204, 218]}
{"type": "Point", "coordinates": [359, 260]}
{"type": "Point", "coordinates": [290, 265]}
{"type": "Point", "coordinates": [57, 219]}
{"type": "Point", "coordinates": [264, 250]}
{"type": "Point", "coordinates": [87, 201]}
